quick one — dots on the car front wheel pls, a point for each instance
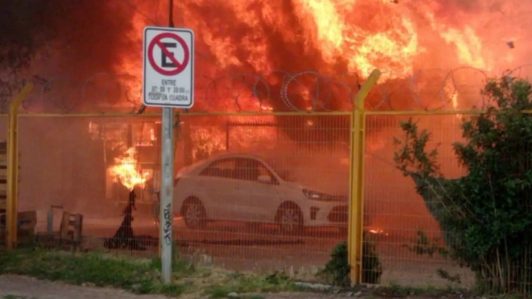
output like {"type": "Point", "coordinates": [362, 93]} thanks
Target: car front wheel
{"type": "Point", "coordinates": [290, 219]}
{"type": "Point", "coordinates": [194, 214]}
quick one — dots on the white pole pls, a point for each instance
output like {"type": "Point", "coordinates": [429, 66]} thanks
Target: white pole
{"type": "Point", "coordinates": [167, 179]}
{"type": "Point", "coordinates": [167, 191]}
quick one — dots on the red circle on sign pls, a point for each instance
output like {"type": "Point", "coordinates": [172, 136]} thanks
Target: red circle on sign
{"type": "Point", "coordinates": [180, 66]}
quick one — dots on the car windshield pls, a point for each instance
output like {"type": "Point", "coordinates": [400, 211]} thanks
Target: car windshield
{"type": "Point", "coordinates": [282, 170]}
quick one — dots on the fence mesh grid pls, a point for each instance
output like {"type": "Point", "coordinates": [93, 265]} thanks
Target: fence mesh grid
{"type": "Point", "coordinates": [398, 226]}
{"type": "Point", "coordinates": [285, 192]}
{"type": "Point", "coordinates": [262, 171]}
{"type": "Point", "coordinates": [271, 191]}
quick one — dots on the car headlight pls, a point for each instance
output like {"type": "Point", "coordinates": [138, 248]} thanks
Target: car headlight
{"type": "Point", "coordinates": [314, 195]}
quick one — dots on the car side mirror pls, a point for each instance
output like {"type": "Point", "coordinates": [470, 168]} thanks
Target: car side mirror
{"type": "Point", "coordinates": [265, 179]}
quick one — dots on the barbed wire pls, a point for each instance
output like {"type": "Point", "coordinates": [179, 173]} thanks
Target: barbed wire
{"type": "Point", "coordinates": [280, 90]}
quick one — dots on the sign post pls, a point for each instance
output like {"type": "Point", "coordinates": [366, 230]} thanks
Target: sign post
{"type": "Point", "coordinates": [168, 82]}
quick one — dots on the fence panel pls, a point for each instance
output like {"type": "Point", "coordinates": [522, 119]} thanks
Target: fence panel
{"type": "Point", "coordinates": [399, 228]}
{"type": "Point", "coordinates": [269, 190]}
{"type": "Point", "coordinates": [263, 171]}
{"type": "Point", "coordinates": [279, 203]}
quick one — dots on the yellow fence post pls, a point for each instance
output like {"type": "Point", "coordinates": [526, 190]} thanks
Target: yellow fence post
{"type": "Point", "coordinates": [12, 167]}
{"type": "Point", "coordinates": [355, 229]}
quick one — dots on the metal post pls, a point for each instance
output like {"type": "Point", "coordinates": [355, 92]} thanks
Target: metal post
{"type": "Point", "coordinates": [50, 222]}
{"type": "Point", "coordinates": [12, 167]}
{"type": "Point", "coordinates": [167, 187]}
{"type": "Point", "coordinates": [355, 223]}
{"type": "Point", "coordinates": [167, 191]}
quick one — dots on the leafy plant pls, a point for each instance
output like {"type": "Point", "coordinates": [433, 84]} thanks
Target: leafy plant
{"type": "Point", "coordinates": [337, 270]}
{"type": "Point", "coordinates": [486, 215]}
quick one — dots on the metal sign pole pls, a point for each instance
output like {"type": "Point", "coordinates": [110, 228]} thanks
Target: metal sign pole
{"type": "Point", "coordinates": [168, 81]}
{"type": "Point", "coordinates": [167, 187]}
{"type": "Point", "coordinates": [167, 191]}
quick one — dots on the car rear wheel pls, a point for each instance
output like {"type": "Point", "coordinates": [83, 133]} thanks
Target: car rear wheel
{"type": "Point", "coordinates": [290, 219]}
{"type": "Point", "coordinates": [194, 214]}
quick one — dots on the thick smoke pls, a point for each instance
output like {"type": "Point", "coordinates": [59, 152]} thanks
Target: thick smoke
{"type": "Point", "coordinates": [75, 44]}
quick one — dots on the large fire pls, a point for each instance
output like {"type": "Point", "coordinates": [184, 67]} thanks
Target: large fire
{"type": "Point", "coordinates": [127, 172]}
{"type": "Point", "coordinates": [279, 55]}
{"type": "Point", "coordinates": [340, 38]}
{"type": "Point", "coordinates": [389, 43]}
{"type": "Point", "coordinates": [247, 53]}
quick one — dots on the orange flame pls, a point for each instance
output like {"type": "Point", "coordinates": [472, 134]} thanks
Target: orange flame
{"type": "Point", "coordinates": [338, 37]}
{"type": "Point", "coordinates": [392, 47]}
{"type": "Point", "coordinates": [127, 172]}
{"type": "Point", "coordinates": [377, 231]}
{"type": "Point", "coordinates": [468, 45]}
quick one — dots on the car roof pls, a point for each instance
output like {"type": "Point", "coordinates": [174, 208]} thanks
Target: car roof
{"type": "Point", "coordinates": [233, 155]}
{"type": "Point", "coordinates": [200, 165]}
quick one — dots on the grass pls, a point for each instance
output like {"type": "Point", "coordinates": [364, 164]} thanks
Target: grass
{"type": "Point", "coordinates": [239, 283]}
{"type": "Point", "coordinates": [136, 275]}
{"type": "Point", "coordinates": [141, 276]}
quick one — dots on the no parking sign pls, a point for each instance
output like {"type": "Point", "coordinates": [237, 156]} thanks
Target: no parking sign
{"type": "Point", "coordinates": [168, 67]}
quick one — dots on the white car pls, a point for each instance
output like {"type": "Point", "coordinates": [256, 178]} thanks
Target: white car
{"type": "Point", "coordinates": [238, 187]}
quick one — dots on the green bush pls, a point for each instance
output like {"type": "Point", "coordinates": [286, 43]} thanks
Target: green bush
{"type": "Point", "coordinates": [485, 215]}
{"type": "Point", "coordinates": [337, 270]}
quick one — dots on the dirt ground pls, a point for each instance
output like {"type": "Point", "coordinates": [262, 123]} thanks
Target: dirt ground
{"type": "Point", "coordinates": [16, 286]}
{"type": "Point", "coordinates": [25, 287]}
